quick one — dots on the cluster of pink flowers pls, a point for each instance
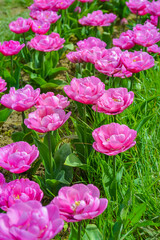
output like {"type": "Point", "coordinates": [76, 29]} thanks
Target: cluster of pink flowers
{"type": "Point", "coordinates": [53, 5]}
{"type": "Point", "coordinates": [97, 18]}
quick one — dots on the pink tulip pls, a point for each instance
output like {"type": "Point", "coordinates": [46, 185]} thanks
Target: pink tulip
{"type": "Point", "coordinates": [154, 8]}
{"type": "Point", "coordinates": [154, 49]}
{"type": "Point", "coordinates": [30, 221]}
{"type": "Point", "coordinates": [85, 90]}
{"type": "Point", "coordinates": [153, 20]}
{"type": "Point", "coordinates": [74, 57]}
{"type": "Point", "coordinates": [21, 25]}
{"type": "Point", "coordinates": [138, 6]}
{"type": "Point", "coordinates": [79, 202]}
{"type": "Point", "coordinates": [110, 63]}
{"type": "Point", "coordinates": [40, 26]}
{"type": "Point", "coordinates": [146, 35]}
{"type": "Point", "coordinates": [17, 157]}
{"type": "Point", "coordinates": [19, 190]}
{"type": "Point", "coordinates": [20, 99]}
{"type": "Point", "coordinates": [10, 48]}
{"type": "Point", "coordinates": [137, 61]}
{"type": "Point", "coordinates": [93, 54]}
{"type": "Point", "coordinates": [46, 119]}
{"type": "Point", "coordinates": [124, 21]}
{"type": "Point", "coordinates": [2, 85]}
{"type": "Point", "coordinates": [90, 43]}
{"type": "Point", "coordinates": [125, 41]}
{"type": "Point", "coordinates": [114, 101]}
{"type": "Point", "coordinates": [49, 99]}
{"type": "Point", "coordinates": [77, 9]}
{"type": "Point", "coordinates": [63, 4]}
{"type": "Point", "coordinates": [2, 179]}
{"type": "Point", "coordinates": [113, 138]}
{"type": "Point", "coordinates": [47, 15]}
{"type": "Point", "coordinates": [47, 43]}
{"type": "Point", "coordinates": [44, 4]}
{"type": "Point", "coordinates": [97, 18]}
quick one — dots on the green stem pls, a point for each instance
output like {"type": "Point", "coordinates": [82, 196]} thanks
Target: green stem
{"type": "Point", "coordinates": [43, 65]}
{"type": "Point", "coordinates": [85, 132]}
{"type": "Point", "coordinates": [24, 38]}
{"type": "Point", "coordinates": [14, 176]}
{"type": "Point", "coordinates": [50, 151]}
{"type": "Point", "coordinates": [114, 177]}
{"type": "Point", "coordinates": [11, 65]}
{"type": "Point", "coordinates": [79, 231]}
{"type": "Point", "coordinates": [23, 125]}
{"type": "Point", "coordinates": [158, 21]}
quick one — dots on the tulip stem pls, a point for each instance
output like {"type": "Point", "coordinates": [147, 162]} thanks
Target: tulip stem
{"type": "Point", "coordinates": [114, 177]}
{"type": "Point", "coordinates": [43, 65]}
{"type": "Point", "coordinates": [79, 231]}
{"type": "Point", "coordinates": [158, 21]}
{"type": "Point", "coordinates": [14, 176]}
{"type": "Point", "coordinates": [50, 151]}
{"type": "Point", "coordinates": [23, 125]}
{"type": "Point", "coordinates": [85, 132]}
{"type": "Point", "coordinates": [11, 65]}
{"type": "Point", "coordinates": [24, 38]}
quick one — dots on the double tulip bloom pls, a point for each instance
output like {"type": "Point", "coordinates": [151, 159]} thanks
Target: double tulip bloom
{"type": "Point", "coordinates": [19, 190]}
{"type": "Point", "coordinates": [154, 8]}
{"type": "Point", "coordinates": [139, 7]}
{"type": "Point", "coordinates": [11, 48]}
{"type": "Point", "coordinates": [40, 26]}
{"type": "Point", "coordinates": [21, 25]}
{"type": "Point", "coordinates": [125, 41]}
{"type": "Point", "coordinates": [46, 15]}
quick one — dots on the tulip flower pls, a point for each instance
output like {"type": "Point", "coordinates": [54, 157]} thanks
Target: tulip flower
{"type": "Point", "coordinates": [40, 26]}
{"type": "Point", "coordinates": [20, 99]}
{"type": "Point", "coordinates": [90, 43]}
{"type": "Point", "coordinates": [21, 25]}
{"type": "Point", "coordinates": [79, 202]}
{"type": "Point", "coordinates": [18, 190]}
{"type": "Point", "coordinates": [125, 41]}
{"type": "Point", "coordinates": [154, 49]}
{"type": "Point", "coordinates": [17, 157]}
{"type": "Point", "coordinates": [2, 85]}
{"type": "Point", "coordinates": [11, 48]}
{"type": "Point", "coordinates": [154, 8]}
{"type": "Point", "coordinates": [46, 15]}
{"type": "Point", "coordinates": [113, 138]}
{"type": "Point", "coordinates": [139, 7]}
{"type": "Point", "coordinates": [44, 4]}
{"type": "Point", "coordinates": [85, 90]}
{"type": "Point", "coordinates": [30, 220]}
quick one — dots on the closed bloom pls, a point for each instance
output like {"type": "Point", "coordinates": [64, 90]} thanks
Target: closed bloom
{"type": "Point", "coordinates": [90, 43]}
{"type": "Point", "coordinates": [30, 220]}
{"type": "Point", "coordinates": [154, 8]}
{"type": "Point", "coordinates": [97, 18]}
{"type": "Point", "coordinates": [47, 43]}
{"type": "Point", "coordinates": [17, 157]}
{"type": "Point", "coordinates": [125, 41]}
{"type": "Point", "coordinates": [2, 85]}
{"type": "Point", "coordinates": [113, 138]}
{"type": "Point", "coordinates": [20, 99]}
{"type": "Point", "coordinates": [21, 25]}
{"type": "Point", "coordinates": [114, 101]}
{"type": "Point", "coordinates": [40, 26]}
{"type": "Point", "coordinates": [11, 47]}
{"type": "Point", "coordinates": [138, 6]}
{"type": "Point", "coordinates": [137, 61]}
{"type": "Point", "coordinates": [19, 190]}
{"type": "Point", "coordinates": [46, 119]}
{"type": "Point", "coordinates": [46, 15]}
{"type": "Point", "coordinates": [79, 202]}
{"type": "Point", "coordinates": [49, 99]}
{"type": "Point", "coordinates": [154, 49]}
{"type": "Point", "coordinates": [85, 90]}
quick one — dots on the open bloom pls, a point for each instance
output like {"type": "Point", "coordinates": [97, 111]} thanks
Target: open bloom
{"type": "Point", "coordinates": [21, 25]}
{"type": "Point", "coordinates": [19, 190]}
{"type": "Point", "coordinates": [63, 4]}
{"type": "Point", "coordinates": [47, 43]}
{"type": "Point", "coordinates": [154, 49]}
{"type": "Point", "coordinates": [85, 90]}
{"type": "Point", "coordinates": [153, 20]}
{"type": "Point", "coordinates": [40, 26]}
{"type": "Point", "coordinates": [20, 99]}
{"type": "Point", "coordinates": [137, 61]}
{"type": "Point", "coordinates": [17, 157]}
{"type": "Point", "coordinates": [46, 119]}
{"type": "Point", "coordinates": [90, 43]}
{"type": "Point", "coordinates": [125, 41]}
{"type": "Point", "coordinates": [11, 47]}
{"type": "Point", "coordinates": [114, 101]}
{"type": "Point", "coordinates": [79, 202]}
{"type": "Point", "coordinates": [97, 18]}
{"type": "Point", "coordinates": [44, 4]}
{"type": "Point", "coordinates": [46, 15]}
{"type": "Point", "coordinates": [113, 138]}
{"type": "Point", "coordinates": [138, 6]}
{"type": "Point", "coordinates": [2, 85]}
{"type": "Point", "coordinates": [49, 99]}
{"type": "Point", "coordinates": [154, 8]}
{"type": "Point", "coordinates": [30, 220]}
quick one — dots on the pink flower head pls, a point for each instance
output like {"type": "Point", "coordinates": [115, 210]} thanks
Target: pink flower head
{"type": "Point", "coordinates": [75, 57]}
{"type": "Point", "coordinates": [114, 101]}
{"type": "Point", "coordinates": [154, 8]}
{"type": "Point", "coordinates": [137, 61]}
{"type": "Point", "coordinates": [125, 41]}
{"type": "Point", "coordinates": [124, 21]}
{"type": "Point", "coordinates": [97, 18]}
{"type": "Point", "coordinates": [49, 99]}
{"type": "Point", "coordinates": [146, 35]}
{"type": "Point", "coordinates": [21, 25]}
{"type": "Point", "coordinates": [113, 138]}
{"type": "Point", "coordinates": [19, 190]}
{"type": "Point", "coordinates": [110, 63]}
{"type": "Point", "coordinates": [77, 9]}
{"type": "Point", "coordinates": [10, 48]}
{"type": "Point", "coordinates": [30, 221]}
{"type": "Point", "coordinates": [44, 4]}
{"type": "Point", "coordinates": [46, 119]}
{"type": "Point", "coordinates": [154, 49]}
{"type": "Point", "coordinates": [47, 43]}
{"type": "Point", "coordinates": [92, 55]}
{"type": "Point", "coordinates": [17, 157]}
{"type": "Point", "coordinates": [85, 90]}
{"type": "Point", "coordinates": [20, 99]}
{"type": "Point", "coordinates": [2, 85]}
{"type": "Point", "coordinates": [90, 43]}
{"type": "Point", "coordinates": [138, 6]}
{"type": "Point", "coordinates": [79, 202]}
{"type": "Point", "coordinates": [47, 15]}
{"type": "Point", "coordinates": [63, 4]}
{"type": "Point", "coordinates": [40, 26]}
{"type": "Point", "coordinates": [153, 20]}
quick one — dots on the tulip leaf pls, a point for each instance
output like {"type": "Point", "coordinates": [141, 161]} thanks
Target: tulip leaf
{"type": "Point", "coordinates": [4, 114]}
{"type": "Point", "coordinates": [74, 233]}
{"type": "Point", "coordinates": [92, 233]}
{"type": "Point", "coordinates": [73, 161]}
{"type": "Point", "coordinates": [56, 70]}
{"type": "Point", "coordinates": [17, 136]}
{"type": "Point", "coordinates": [40, 81]}
{"type": "Point", "coordinates": [136, 214]}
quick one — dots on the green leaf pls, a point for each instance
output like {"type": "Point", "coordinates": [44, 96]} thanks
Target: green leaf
{"type": "Point", "coordinates": [40, 81]}
{"type": "Point", "coordinates": [56, 70]}
{"type": "Point", "coordinates": [4, 114]}
{"type": "Point", "coordinates": [70, 46]}
{"type": "Point", "coordinates": [136, 214]}
{"type": "Point", "coordinates": [142, 122]}
{"type": "Point", "coordinates": [73, 233]}
{"type": "Point", "coordinates": [17, 136]}
{"type": "Point", "coordinates": [92, 233]}
{"type": "Point", "coordinates": [73, 161]}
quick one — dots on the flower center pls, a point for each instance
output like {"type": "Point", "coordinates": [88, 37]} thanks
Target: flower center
{"type": "Point", "coordinates": [75, 205]}
{"type": "Point", "coordinates": [116, 100]}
